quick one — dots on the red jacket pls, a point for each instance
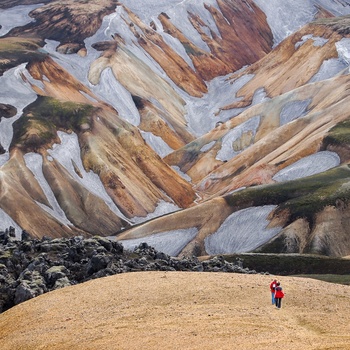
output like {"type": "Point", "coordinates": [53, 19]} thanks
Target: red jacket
{"type": "Point", "coordinates": [273, 285]}
{"type": "Point", "coordinates": [278, 292]}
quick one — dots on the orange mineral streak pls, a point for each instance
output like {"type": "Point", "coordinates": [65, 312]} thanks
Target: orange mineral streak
{"type": "Point", "coordinates": [288, 66]}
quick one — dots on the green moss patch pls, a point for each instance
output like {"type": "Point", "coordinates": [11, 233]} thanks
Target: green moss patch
{"type": "Point", "coordinates": [41, 119]}
{"type": "Point", "coordinates": [66, 115]}
{"type": "Point", "coordinates": [339, 24]}
{"type": "Point", "coordinates": [332, 278]}
{"type": "Point", "coordinates": [302, 198]}
{"type": "Point", "coordinates": [191, 50]}
{"type": "Point", "coordinates": [32, 134]}
{"type": "Point", "coordinates": [292, 264]}
{"type": "Point", "coordinates": [14, 51]}
{"type": "Point", "coordinates": [339, 135]}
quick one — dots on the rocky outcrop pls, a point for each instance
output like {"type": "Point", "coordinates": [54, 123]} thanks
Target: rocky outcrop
{"type": "Point", "coordinates": [7, 111]}
{"type": "Point", "coordinates": [29, 268]}
{"type": "Point", "coordinates": [56, 82]}
{"type": "Point", "coordinates": [160, 123]}
{"type": "Point", "coordinates": [321, 229]}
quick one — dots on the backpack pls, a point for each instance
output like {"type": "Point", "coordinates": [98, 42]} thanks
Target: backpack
{"type": "Point", "coordinates": [278, 292]}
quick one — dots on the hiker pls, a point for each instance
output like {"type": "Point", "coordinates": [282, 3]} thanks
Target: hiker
{"type": "Point", "coordinates": [278, 295]}
{"type": "Point", "coordinates": [272, 289]}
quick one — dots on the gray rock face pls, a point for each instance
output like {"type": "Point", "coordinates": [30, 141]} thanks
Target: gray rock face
{"type": "Point", "coordinates": [29, 289]}
{"type": "Point", "coordinates": [55, 273]}
{"type": "Point", "coordinates": [7, 111]}
{"type": "Point", "coordinates": [61, 283]}
{"type": "Point", "coordinates": [31, 267]}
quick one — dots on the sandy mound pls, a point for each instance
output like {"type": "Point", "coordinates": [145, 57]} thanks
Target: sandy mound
{"type": "Point", "coordinates": [181, 310]}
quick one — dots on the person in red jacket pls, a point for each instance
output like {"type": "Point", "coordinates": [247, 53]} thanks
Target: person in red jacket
{"type": "Point", "coordinates": [273, 285]}
{"type": "Point", "coordinates": [278, 295]}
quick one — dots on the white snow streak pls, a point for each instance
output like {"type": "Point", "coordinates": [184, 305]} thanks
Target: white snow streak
{"type": "Point", "coordinates": [157, 144]}
{"type": "Point", "coordinates": [293, 110]}
{"type": "Point", "coordinates": [34, 162]}
{"type": "Point", "coordinates": [242, 231]}
{"type": "Point", "coordinates": [15, 17]}
{"type": "Point", "coordinates": [227, 152]}
{"type": "Point", "coordinates": [287, 16]}
{"type": "Point", "coordinates": [343, 48]}
{"type": "Point", "coordinates": [161, 209]}
{"type": "Point", "coordinates": [329, 68]}
{"type": "Point", "coordinates": [311, 165]}
{"type": "Point", "coordinates": [68, 152]}
{"type": "Point", "coordinates": [170, 243]}
{"type": "Point", "coordinates": [13, 91]}
{"type": "Point", "coordinates": [6, 221]}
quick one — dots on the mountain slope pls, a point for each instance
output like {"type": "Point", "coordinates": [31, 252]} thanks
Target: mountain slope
{"type": "Point", "coordinates": [140, 120]}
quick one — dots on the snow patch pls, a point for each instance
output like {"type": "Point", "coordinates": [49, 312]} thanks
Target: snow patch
{"type": "Point", "coordinates": [6, 221]}
{"type": "Point", "coordinates": [156, 143]}
{"type": "Point", "coordinates": [112, 92]}
{"type": "Point", "coordinates": [221, 92]}
{"type": "Point", "coordinates": [227, 151]}
{"type": "Point", "coordinates": [15, 17]}
{"type": "Point", "coordinates": [207, 147]}
{"type": "Point", "coordinates": [329, 69]}
{"type": "Point", "coordinates": [293, 110]}
{"type": "Point", "coordinates": [15, 92]}
{"type": "Point", "coordinates": [171, 242]}
{"type": "Point", "coordinates": [318, 41]}
{"type": "Point", "coordinates": [310, 165]}
{"type": "Point", "coordinates": [162, 208]}
{"type": "Point", "coordinates": [287, 16]}
{"type": "Point", "coordinates": [337, 7]}
{"type": "Point", "coordinates": [67, 153]}
{"type": "Point", "coordinates": [343, 49]}
{"type": "Point", "coordinates": [34, 163]}
{"type": "Point", "coordinates": [182, 174]}
{"type": "Point", "coordinates": [242, 231]}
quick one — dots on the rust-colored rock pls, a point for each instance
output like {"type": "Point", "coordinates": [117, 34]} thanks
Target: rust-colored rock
{"type": "Point", "coordinates": [240, 43]}
{"type": "Point", "coordinates": [174, 65]}
{"type": "Point", "coordinates": [289, 66]}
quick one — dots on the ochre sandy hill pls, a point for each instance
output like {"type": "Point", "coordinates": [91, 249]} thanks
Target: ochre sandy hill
{"type": "Point", "coordinates": [181, 310]}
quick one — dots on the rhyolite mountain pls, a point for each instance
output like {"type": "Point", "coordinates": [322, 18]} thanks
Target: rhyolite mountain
{"type": "Point", "coordinates": [199, 127]}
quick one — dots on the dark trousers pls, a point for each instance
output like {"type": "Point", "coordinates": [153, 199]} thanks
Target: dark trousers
{"type": "Point", "coordinates": [278, 302]}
